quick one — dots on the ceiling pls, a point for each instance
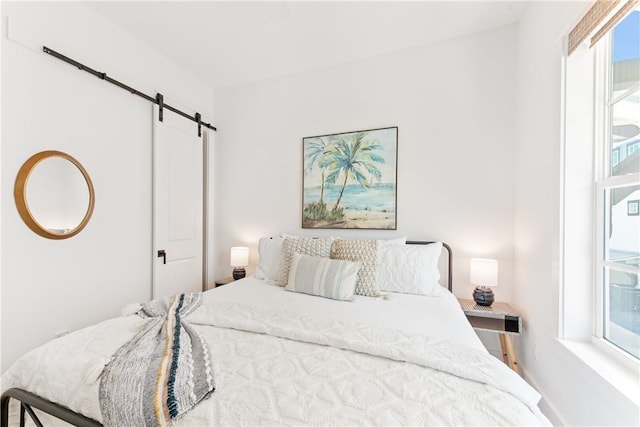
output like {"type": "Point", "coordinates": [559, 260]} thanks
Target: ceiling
{"type": "Point", "coordinates": [233, 42]}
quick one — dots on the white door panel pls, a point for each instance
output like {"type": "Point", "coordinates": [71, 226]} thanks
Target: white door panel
{"type": "Point", "coordinates": [178, 204]}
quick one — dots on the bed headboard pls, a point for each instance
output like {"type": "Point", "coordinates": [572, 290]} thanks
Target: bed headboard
{"type": "Point", "coordinates": [449, 260]}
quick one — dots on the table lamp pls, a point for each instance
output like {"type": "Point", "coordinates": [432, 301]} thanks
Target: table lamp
{"type": "Point", "coordinates": [239, 259]}
{"type": "Point", "coordinates": [484, 273]}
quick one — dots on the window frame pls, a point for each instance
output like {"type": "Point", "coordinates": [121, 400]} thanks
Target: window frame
{"type": "Point", "coordinates": [603, 149]}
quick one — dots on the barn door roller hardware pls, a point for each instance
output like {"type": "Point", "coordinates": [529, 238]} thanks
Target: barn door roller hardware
{"type": "Point", "coordinates": [159, 99]}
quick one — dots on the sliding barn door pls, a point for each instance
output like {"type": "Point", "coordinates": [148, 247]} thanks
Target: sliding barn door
{"type": "Point", "coordinates": [177, 205]}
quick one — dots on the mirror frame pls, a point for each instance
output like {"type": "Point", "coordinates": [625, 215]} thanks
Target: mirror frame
{"type": "Point", "coordinates": [20, 194]}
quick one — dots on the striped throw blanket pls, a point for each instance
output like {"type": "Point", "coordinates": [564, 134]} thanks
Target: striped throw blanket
{"type": "Point", "coordinates": [162, 372]}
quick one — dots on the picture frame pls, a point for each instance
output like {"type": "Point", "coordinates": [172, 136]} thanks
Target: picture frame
{"type": "Point", "coordinates": [349, 180]}
{"type": "Point", "coordinates": [633, 208]}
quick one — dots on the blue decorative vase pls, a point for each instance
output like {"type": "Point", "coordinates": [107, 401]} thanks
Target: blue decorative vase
{"type": "Point", "coordinates": [483, 295]}
{"type": "Point", "coordinates": [239, 273]}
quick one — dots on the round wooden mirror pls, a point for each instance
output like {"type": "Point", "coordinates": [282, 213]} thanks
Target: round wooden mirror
{"type": "Point", "coordinates": [54, 195]}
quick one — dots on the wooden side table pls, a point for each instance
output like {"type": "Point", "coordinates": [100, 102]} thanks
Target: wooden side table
{"type": "Point", "coordinates": [224, 281]}
{"type": "Point", "coordinates": [500, 317]}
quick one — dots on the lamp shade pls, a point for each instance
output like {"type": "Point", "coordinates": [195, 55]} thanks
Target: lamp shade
{"type": "Point", "coordinates": [484, 272]}
{"type": "Point", "coordinates": [239, 256]}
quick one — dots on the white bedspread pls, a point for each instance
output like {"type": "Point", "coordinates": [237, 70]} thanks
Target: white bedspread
{"type": "Point", "coordinates": [295, 359]}
{"type": "Point", "coordinates": [437, 317]}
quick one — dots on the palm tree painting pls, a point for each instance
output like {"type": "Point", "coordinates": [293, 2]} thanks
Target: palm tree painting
{"type": "Point", "coordinates": [349, 180]}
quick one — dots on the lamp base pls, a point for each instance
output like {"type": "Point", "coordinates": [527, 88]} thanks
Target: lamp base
{"type": "Point", "coordinates": [483, 296]}
{"type": "Point", "coordinates": [239, 273]}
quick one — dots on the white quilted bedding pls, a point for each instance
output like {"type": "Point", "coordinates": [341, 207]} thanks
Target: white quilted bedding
{"type": "Point", "coordinates": [284, 364]}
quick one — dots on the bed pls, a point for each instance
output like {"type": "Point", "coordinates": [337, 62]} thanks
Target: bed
{"type": "Point", "coordinates": [290, 358]}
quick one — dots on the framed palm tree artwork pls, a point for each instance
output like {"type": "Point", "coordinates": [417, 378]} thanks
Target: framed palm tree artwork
{"type": "Point", "coordinates": [349, 180]}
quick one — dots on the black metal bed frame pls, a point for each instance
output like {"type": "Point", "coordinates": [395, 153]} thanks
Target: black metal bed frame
{"type": "Point", "coordinates": [29, 400]}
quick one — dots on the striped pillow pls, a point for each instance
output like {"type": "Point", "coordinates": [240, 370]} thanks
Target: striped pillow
{"type": "Point", "coordinates": [323, 277]}
{"type": "Point", "coordinates": [303, 245]}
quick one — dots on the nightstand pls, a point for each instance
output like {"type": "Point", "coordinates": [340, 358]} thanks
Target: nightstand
{"type": "Point", "coordinates": [499, 317]}
{"type": "Point", "coordinates": [224, 281]}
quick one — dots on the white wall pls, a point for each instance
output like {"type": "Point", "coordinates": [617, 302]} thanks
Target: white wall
{"type": "Point", "coordinates": [49, 286]}
{"type": "Point", "coordinates": [573, 393]}
{"type": "Point", "coordinates": [453, 104]}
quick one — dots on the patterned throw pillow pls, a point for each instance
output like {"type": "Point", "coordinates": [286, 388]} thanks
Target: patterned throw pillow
{"type": "Point", "coordinates": [304, 246]}
{"type": "Point", "coordinates": [324, 277]}
{"type": "Point", "coordinates": [364, 251]}
{"type": "Point", "coordinates": [410, 269]}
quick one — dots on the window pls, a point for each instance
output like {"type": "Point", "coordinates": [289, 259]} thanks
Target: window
{"type": "Point", "coordinates": [617, 185]}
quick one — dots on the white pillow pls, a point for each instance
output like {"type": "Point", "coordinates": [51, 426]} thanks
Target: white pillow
{"type": "Point", "coordinates": [270, 258]}
{"type": "Point", "coordinates": [324, 277]}
{"type": "Point", "coordinates": [395, 241]}
{"type": "Point", "coordinates": [410, 269]}
{"type": "Point", "coordinates": [289, 236]}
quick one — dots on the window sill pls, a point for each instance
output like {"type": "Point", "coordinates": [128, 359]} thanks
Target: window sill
{"type": "Point", "coordinates": [624, 378]}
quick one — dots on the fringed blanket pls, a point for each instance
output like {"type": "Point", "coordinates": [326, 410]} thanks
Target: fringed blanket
{"type": "Point", "coordinates": [162, 372]}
